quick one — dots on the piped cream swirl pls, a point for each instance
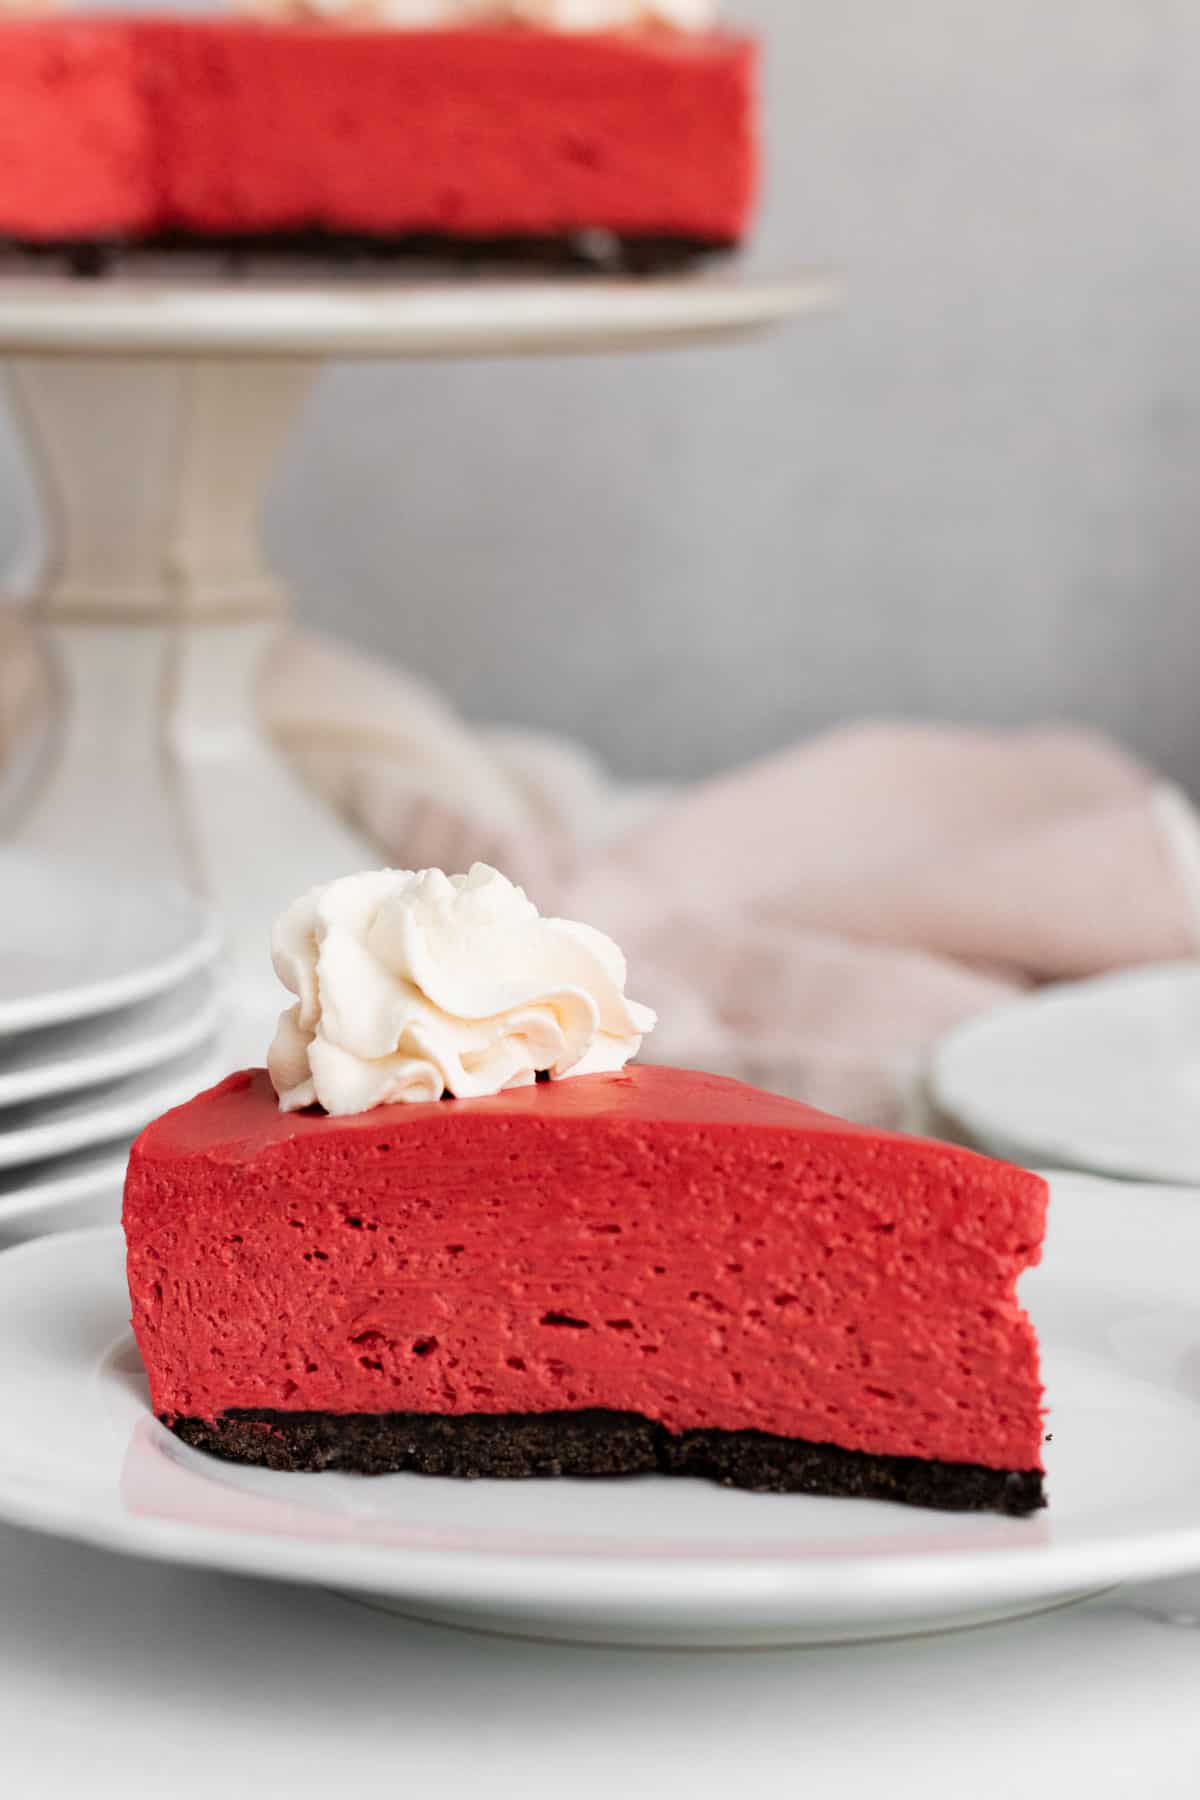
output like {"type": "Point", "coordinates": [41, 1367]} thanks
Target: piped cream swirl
{"type": "Point", "coordinates": [413, 984]}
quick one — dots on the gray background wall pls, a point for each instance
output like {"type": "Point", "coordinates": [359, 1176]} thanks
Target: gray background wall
{"type": "Point", "coordinates": [973, 495]}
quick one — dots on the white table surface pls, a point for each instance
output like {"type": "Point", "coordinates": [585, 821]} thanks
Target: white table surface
{"type": "Point", "coordinates": [126, 1678]}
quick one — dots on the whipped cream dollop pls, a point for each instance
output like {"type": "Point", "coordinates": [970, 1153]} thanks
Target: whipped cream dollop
{"type": "Point", "coordinates": [414, 984]}
{"type": "Point", "coordinates": [550, 15]}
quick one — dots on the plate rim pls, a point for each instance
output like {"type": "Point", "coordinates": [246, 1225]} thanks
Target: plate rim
{"type": "Point", "coordinates": [190, 1074]}
{"type": "Point", "coordinates": [723, 1589]}
{"type": "Point", "coordinates": [109, 1160]}
{"type": "Point", "coordinates": [202, 313]}
{"type": "Point", "coordinates": [1063, 1153]}
{"type": "Point", "coordinates": [94, 1068]}
{"type": "Point", "coordinates": [86, 1000]}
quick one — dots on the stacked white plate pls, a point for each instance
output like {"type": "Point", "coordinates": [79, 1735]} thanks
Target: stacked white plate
{"type": "Point", "coordinates": [111, 1009]}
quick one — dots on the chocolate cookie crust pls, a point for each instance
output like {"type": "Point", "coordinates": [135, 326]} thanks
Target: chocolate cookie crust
{"type": "Point", "coordinates": [530, 1445]}
{"type": "Point", "coordinates": [577, 252]}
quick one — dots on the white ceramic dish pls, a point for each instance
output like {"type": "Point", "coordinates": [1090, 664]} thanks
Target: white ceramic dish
{"type": "Point", "coordinates": [62, 1059]}
{"type": "Point", "coordinates": [178, 306]}
{"type": "Point", "coordinates": [76, 941]}
{"type": "Point", "coordinates": [1101, 1075]}
{"type": "Point", "coordinates": [649, 1561]}
{"type": "Point", "coordinates": [32, 1194]}
{"type": "Point", "coordinates": [118, 1109]}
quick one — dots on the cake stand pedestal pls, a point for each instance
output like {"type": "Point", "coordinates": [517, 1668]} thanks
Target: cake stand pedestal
{"type": "Point", "coordinates": [154, 410]}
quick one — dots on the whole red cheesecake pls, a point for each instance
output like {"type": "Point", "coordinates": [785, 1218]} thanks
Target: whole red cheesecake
{"type": "Point", "coordinates": [650, 1270]}
{"type": "Point", "coordinates": [134, 130]}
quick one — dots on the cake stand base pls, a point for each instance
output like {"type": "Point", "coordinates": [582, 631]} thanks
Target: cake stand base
{"type": "Point", "coordinates": [154, 411]}
{"type": "Point", "coordinates": [157, 614]}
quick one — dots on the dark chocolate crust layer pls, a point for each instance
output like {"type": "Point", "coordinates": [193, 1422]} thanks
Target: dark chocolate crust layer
{"type": "Point", "coordinates": [577, 252]}
{"type": "Point", "coordinates": [521, 1446]}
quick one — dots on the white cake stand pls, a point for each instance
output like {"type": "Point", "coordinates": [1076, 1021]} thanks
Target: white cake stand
{"type": "Point", "coordinates": [154, 409]}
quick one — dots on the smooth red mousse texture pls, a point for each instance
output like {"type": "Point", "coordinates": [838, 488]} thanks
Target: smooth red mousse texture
{"type": "Point", "coordinates": [658, 1242]}
{"type": "Point", "coordinates": [76, 138]}
{"type": "Point", "coordinates": [232, 126]}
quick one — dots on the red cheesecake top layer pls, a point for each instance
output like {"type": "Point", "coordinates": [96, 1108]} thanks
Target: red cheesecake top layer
{"type": "Point", "coordinates": [232, 126]}
{"type": "Point", "coordinates": [657, 1242]}
{"type": "Point", "coordinates": [239, 1120]}
{"type": "Point", "coordinates": [76, 136]}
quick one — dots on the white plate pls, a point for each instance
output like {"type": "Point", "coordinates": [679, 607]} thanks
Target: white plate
{"type": "Point", "coordinates": [1101, 1075]}
{"type": "Point", "coordinates": [76, 941]}
{"type": "Point", "coordinates": [175, 309]}
{"type": "Point", "coordinates": [647, 1560]}
{"type": "Point", "coordinates": [31, 1194]}
{"type": "Point", "coordinates": [64, 1058]}
{"type": "Point", "coordinates": [118, 1109]}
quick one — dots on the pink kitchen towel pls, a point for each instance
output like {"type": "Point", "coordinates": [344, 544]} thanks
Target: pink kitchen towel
{"type": "Point", "coordinates": [817, 921]}
{"type": "Point", "coordinates": [813, 923]}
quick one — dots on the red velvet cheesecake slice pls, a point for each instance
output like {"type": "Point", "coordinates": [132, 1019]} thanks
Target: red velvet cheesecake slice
{"type": "Point", "coordinates": [650, 1270]}
{"type": "Point", "coordinates": [223, 129]}
{"type": "Point", "coordinates": [76, 144]}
